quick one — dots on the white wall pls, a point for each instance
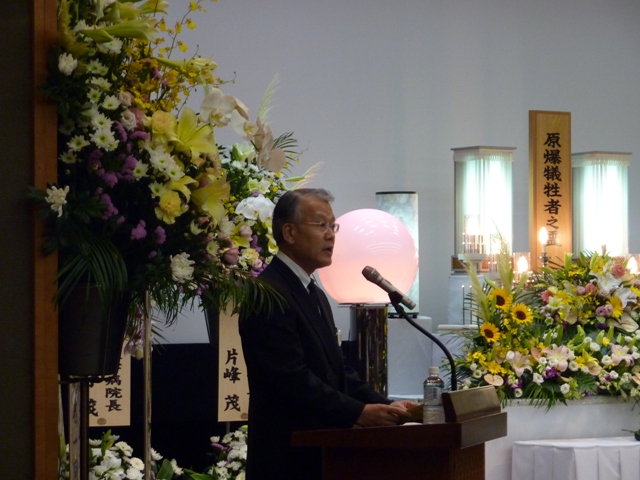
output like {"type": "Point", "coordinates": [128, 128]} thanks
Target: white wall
{"type": "Point", "coordinates": [380, 92]}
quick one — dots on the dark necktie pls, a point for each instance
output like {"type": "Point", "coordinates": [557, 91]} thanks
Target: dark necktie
{"type": "Point", "coordinates": [315, 299]}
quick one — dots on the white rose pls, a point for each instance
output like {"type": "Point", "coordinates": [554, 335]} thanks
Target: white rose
{"type": "Point", "coordinates": [181, 268]}
{"type": "Point", "coordinates": [67, 64]}
{"type": "Point", "coordinates": [128, 120]}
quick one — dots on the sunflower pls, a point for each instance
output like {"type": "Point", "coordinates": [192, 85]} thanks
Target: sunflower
{"type": "Point", "coordinates": [501, 297]}
{"type": "Point", "coordinates": [521, 313]}
{"type": "Point", "coordinates": [490, 332]}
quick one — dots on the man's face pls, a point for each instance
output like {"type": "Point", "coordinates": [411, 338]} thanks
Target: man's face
{"type": "Point", "coordinates": [310, 240]}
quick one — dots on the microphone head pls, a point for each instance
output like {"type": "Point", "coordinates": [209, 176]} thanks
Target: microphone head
{"type": "Point", "coordinates": [370, 273]}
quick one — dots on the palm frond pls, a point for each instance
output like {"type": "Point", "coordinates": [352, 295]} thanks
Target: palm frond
{"type": "Point", "coordinates": [265, 105]}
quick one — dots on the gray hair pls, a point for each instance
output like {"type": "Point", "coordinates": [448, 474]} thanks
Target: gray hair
{"type": "Point", "coordinates": [288, 208]}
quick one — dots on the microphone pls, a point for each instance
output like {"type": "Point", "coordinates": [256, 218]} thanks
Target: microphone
{"type": "Point", "coordinates": [373, 276]}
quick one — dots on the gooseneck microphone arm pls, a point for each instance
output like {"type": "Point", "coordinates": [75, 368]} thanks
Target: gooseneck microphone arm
{"type": "Point", "coordinates": [396, 298]}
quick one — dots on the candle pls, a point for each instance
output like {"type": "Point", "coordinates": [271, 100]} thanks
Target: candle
{"type": "Point", "coordinates": [543, 238]}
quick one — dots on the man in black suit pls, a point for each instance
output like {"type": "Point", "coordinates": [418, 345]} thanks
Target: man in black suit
{"type": "Point", "coordinates": [298, 379]}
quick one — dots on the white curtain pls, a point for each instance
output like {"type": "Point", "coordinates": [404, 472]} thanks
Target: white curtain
{"type": "Point", "coordinates": [483, 195]}
{"type": "Point", "coordinates": [600, 202]}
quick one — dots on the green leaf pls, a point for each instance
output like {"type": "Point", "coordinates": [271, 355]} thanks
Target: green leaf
{"type": "Point", "coordinates": [166, 471]}
{"type": "Point", "coordinates": [200, 476]}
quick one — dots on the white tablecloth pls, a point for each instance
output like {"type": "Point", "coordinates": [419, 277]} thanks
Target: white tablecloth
{"type": "Point", "coordinates": [614, 458]}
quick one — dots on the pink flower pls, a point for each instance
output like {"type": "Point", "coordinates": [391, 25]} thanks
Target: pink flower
{"type": "Point", "coordinates": [546, 295]}
{"type": "Point", "coordinates": [161, 235]}
{"type": "Point", "coordinates": [139, 232]}
{"type": "Point", "coordinates": [618, 270]}
{"type": "Point", "coordinates": [590, 288]}
{"type": "Point", "coordinates": [231, 256]}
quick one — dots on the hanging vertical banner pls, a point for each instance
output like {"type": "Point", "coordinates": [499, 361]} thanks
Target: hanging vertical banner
{"type": "Point", "coordinates": [233, 386]}
{"type": "Point", "coordinates": [550, 183]}
{"type": "Point", "coordinates": [110, 400]}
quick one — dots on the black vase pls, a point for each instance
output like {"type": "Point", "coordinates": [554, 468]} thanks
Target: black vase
{"type": "Point", "coordinates": [90, 335]}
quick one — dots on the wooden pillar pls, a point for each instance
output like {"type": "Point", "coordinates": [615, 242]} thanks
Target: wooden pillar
{"type": "Point", "coordinates": [44, 268]}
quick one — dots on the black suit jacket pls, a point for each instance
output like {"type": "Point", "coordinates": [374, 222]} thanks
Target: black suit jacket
{"type": "Point", "coordinates": [298, 380]}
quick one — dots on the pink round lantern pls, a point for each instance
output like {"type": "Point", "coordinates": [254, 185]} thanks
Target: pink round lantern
{"type": "Point", "coordinates": [374, 238]}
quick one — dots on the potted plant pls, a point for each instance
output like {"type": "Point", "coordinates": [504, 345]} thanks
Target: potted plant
{"type": "Point", "coordinates": [146, 204]}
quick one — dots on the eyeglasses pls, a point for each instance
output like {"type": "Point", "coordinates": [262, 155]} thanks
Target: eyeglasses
{"type": "Point", "coordinates": [324, 226]}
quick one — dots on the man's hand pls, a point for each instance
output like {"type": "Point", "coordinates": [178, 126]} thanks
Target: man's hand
{"type": "Point", "coordinates": [379, 414]}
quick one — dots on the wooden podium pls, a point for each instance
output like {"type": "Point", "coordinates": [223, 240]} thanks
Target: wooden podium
{"type": "Point", "coordinates": [448, 451]}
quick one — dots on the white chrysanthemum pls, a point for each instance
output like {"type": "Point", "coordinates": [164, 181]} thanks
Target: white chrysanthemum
{"type": "Point", "coordinates": [160, 159]}
{"type": "Point", "coordinates": [97, 68]}
{"type": "Point", "coordinates": [101, 83]}
{"type": "Point", "coordinates": [155, 455]}
{"type": "Point", "coordinates": [68, 157]}
{"type": "Point", "coordinates": [57, 198]}
{"type": "Point", "coordinates": [212, 249]}
{"type": "Point", "coordinates": [114, 46]}
{"type": "Point", "coordinates": [537, 378]}
{"type": "Point", "coordinates": [94, 95]}
{"type": "Point", "coordinates": [81, 25]}
{"type": "Point", "coordinates": [67, 64]}
{"type": "Point", "coordinates": [176, 469]}
{"type": "Point", "coordinates": [181, 267]}
{"type": "Point", "coordinates": [226, 226]}
{"type": "Point", "coordinates": [250, 255]}
{"type": "Point", "coordinates": [594, 347]}
{"type": "Point", "coordinates": [565, 388]}
{"type": "Point", "coordinates": [125, 448]}
{"type": "Point", "coordinates": [110, 102]}
{"type": "Point", "coordinates": [77, 143]}
{"type": "Point", "coordinates": [477, 373]}
{"type": "Point", "coordinates": [134, 474]}
{"type": "Point", "coordinates": [101, 121]}
{"type": "Point", "coordinates": [255, 208]}
{"type": "Point", "coordinates": [175, 173]}
{"type": "Point", "coordinates": [157, 189]}
{"type": "Point", "coordinates": [66, 127]}
{"type": "Point", "coordinates": [94, 442]}
{"type": "Point", "coordinates": [104, 138]}
{"type": "Point", "coordinates": [135, 462]}
{"type": "Point", "coordinates": [573, 366]}
{"type": "Point", "coordinates": [140, 170]}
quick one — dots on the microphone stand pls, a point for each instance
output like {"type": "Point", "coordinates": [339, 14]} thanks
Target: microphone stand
{"type": "Point", "coordinates": [395, 298]}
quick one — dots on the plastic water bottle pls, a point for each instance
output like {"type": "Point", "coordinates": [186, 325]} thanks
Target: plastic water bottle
{"type": "Point", "coordinates": [432, 410]}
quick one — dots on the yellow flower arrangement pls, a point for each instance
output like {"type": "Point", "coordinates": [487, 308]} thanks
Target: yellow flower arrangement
{"type": "Point", "coordinates": [146, 201]}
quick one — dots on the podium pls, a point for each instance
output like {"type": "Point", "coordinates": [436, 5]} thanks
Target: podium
{"type": "Point", "coordinates": [448, 451]}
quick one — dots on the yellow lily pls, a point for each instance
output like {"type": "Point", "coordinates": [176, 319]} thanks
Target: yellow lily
{"type": "Point", "coordinates": [211, 195]}
{"type": "Point", "coordinates": [181, 186]}
{"type": "Point", "coordinates": [193, 137]}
